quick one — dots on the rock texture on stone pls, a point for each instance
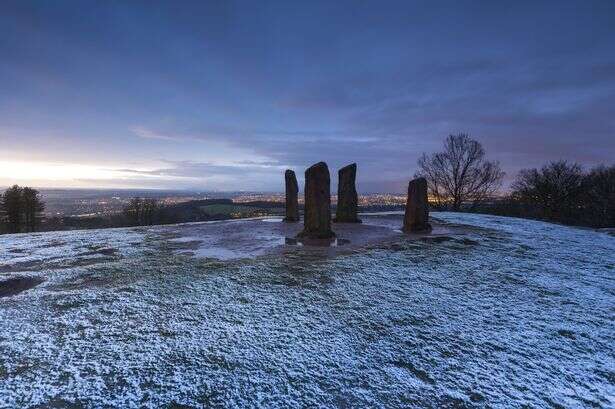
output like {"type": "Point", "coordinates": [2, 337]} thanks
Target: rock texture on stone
{"type": "Point", "coordinates": [292, 202]}
{"type": "Point", "coordinates": [347, 198]}
{"type": "Point", "coordinates": [417, 212]}
{"type": "Point", "coordinates": [317, 215]}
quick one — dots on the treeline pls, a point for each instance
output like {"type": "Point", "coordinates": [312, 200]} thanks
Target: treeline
{"type": "Point", "coordinates": [460, 178]}
{"type": "Point", "coordinates": [561, 192]}
{"type": "Point", "coordinates": [147, 212]}
{"type": "Point", "coordinates": [138, 212]}
{"type": "Point", "coordinates": [21, 210]}
{"type": "Point", "coordinates": [143, 212]}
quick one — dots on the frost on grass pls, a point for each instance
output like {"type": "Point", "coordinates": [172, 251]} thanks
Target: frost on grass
{"type": "Point", "coordinates": [491, 311]}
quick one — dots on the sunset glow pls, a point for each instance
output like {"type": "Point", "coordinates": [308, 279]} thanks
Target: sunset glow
{"type": "Point", "coordinates": [57, 174]}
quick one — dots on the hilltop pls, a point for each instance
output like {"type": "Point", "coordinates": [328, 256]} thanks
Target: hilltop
{"type": "Point", "coordinates": [231, 313]}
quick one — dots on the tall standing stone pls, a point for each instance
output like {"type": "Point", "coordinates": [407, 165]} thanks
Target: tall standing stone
{"type": "Point", "coordinates": [347, 198]}
{"type": "Point", "coordinates": [292, 203]}
{"type": "Point", "coordinates": [317, 215]}
{"type": "Point", "coordinates": [417, 212]}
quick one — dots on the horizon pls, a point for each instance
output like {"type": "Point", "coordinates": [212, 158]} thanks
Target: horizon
{"type": "Point", "coordinates": [44, 190]}
{"type": "Point", "coordinates": [225, 97]}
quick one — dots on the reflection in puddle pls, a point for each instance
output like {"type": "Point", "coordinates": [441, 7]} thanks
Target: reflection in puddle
{"type": "Point", "coordinates": [272, 220]}
{"type": "Point", "coordinates": [214, 252]}
{"type": "Point", "coordinates": [291, 241]}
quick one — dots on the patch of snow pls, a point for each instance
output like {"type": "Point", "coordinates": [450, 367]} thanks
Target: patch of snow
{"type": "Point", "coordinates": [496, 312]}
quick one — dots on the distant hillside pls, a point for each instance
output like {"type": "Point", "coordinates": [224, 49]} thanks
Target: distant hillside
{"type": "Point", "coordinates": [220, 209]}
{"type": "Point", "coordinates": [184, 212]}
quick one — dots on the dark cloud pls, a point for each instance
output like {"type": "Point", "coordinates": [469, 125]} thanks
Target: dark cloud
{"type": "Point", "coordinates": [258, 87]}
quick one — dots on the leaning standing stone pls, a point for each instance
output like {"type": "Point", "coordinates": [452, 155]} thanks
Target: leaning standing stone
{"type": "Point", "coordinates": [417, 212]}
{"type": "Point", "coordinates": [317, 215]}
{"type": "Point", "coordinates": [292, 203]}
{"type": "Point", "coordinates": [347, 198]}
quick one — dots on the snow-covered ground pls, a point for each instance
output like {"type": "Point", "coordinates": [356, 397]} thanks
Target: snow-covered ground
{"type": "Point", "coordinates": [486, 311]}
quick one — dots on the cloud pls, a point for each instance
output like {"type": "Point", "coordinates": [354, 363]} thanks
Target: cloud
{"type": "Point", "coordinates": [253, 175]}
{"type": "Point", "coordinates": [146, 133]}
{"type": "Point", "coordinates": [524, 113]}
{"type": "Point", "coordinates": [233, 102]}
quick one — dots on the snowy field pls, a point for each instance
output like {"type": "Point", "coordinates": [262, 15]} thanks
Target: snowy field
{"type": "Point", "coordinates": [484, 312]}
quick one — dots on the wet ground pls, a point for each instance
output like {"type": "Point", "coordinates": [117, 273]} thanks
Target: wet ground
{"type": "Point", "coordinates": [483, 312]}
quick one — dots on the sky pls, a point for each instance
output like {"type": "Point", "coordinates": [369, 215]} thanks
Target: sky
{"type": "Point", "coordinates": [226, 95]}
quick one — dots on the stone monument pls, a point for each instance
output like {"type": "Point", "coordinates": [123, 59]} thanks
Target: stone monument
{"type": "Point", "coordinates": [317, 214]}
{"type": "Point", "coordinates": [347, 198]}
{"type": "Point", "coordinates": [417, 211]}
{"type": "Point", "coordinates": [292, 203]}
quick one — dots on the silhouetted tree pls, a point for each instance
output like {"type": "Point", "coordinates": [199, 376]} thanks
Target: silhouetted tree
{"type": "Point", "coordinates": [12, 209]}
{"type": "Point", "coordinates": [149, 213]}
{"type": "Point", "coordinates": [142, 212]}
{"type": "Point", "coordinates": [460, 174]}
{"type": "Point", "coordinates": [552, 193]}
{"type": "Point", "coordinates": [33, 208]}
{"type": "Point", "coordinates": [133, 211]}
{"type": "Point", "coordinates": [21, 209]}
{"type": "Point", "coordinates": [561, 192]}
{"type": "Point", "coordinates": [599, 197]}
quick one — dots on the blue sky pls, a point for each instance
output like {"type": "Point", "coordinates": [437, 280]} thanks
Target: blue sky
{"type": "Point", "coordinates": [226, 95]}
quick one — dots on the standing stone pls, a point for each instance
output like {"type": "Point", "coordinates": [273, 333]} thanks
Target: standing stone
{"type": "Point", "coordinates": [292, 203]}
{"type": "Point", "coordinates": [347, 198]}
{"type": "Point", "coordinates": [317, 215]}
{"type": "Point", "coordinates": [417, 212]}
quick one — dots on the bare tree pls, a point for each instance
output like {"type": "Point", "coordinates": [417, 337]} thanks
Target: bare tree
{"type": "Point", "coordinates": [142, 212]}
{"type": "Point", "coordinates": [460, 174]}
{"type": "Point", "coordinates": [599, 196]}
{"type": "Point", "coordinates": [555, 191]}
{"type": "Point", "coordinates": [149, 210]}
{"type": "Point", "coordinates": [134, 211]}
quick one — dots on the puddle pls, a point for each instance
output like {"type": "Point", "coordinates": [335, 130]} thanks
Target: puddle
{"type": "Point", "coordinates": [335, 242]}
{"type": "Point", "coordinates": [217, 252]}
